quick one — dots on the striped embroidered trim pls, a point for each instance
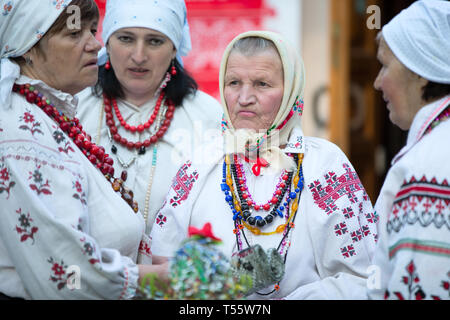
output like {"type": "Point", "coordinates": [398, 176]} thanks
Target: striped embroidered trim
{"type": "Point", "coordinates": [424, 188]}
{"type": "Point", "coordinates": [428, 247]}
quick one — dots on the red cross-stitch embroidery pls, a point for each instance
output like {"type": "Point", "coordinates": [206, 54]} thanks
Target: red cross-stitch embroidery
{"type": "Point", "coordinates": [345, 185]}
{"type": "Point", "coordinates": [183, 184]}
{"type": "Point", "coordinates": [161, 219]}
{"type": "Point", "coordinates": [348, 251]}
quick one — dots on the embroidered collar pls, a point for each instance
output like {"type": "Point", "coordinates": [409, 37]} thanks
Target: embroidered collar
{"type": "Point", "coordinates": [66, 103]}
{"type": "Point", "coordinates": [422, 120]}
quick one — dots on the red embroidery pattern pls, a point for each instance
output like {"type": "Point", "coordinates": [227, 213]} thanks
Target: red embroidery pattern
{"type": "Point", "coordinates": [161, 219]}
{"type": "Point", "coordinates": [144, 249]}
{"type": "Point", "coordinates": [345, 185]}
{"type": "Point", "coordinates": [26, 230]}
{"type": "Point", "coordinates": [5, 180]}
{"type": "Point", "coordinates": [414, 290]}
{"type": "Point", "coordinates": [58, 273]}
{"type": "Point", "coordinates": [79, 194]}
{"type": "Point", "coordinates": [30, 123]}
{"type": "Point", "coordinates": [39, 186]}
{"type": "Point", "coordinates": [61, 139]}
{"type": "Point", "coordinates": [421, 202]}
{"type": "Point", "coordinates": [183, 184]}
{"type": "Point", "coordinates": [89, 250]}
{"type": "Point", "coordinates": [348, 251]}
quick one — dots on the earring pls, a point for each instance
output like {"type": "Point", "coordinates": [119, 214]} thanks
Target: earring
{"type": "Point", "coordinates": [173, 70]}
{"type": "Point", "coordinates": [28, 61]}
{"type": "Point", "coordinates": [108, 65]}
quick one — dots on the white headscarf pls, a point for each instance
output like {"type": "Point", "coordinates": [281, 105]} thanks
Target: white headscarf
{"type": "Point", "coordinates": [419, 36]}
{"type": "Point", "coordinates": [22, 24]}
{"type": "Point", "coordinates": [291, 108]}
{"type": "Point", "coordinates": [166, 16]}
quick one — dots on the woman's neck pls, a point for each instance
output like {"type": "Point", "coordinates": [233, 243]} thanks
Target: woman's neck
{"type": "Point", "coordinates": [139, 100]}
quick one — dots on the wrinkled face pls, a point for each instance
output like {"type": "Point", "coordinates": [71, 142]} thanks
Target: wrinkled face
{"type": "Point", "coordinates": [68, 61]}
{"type": "Point", "coordinates": [140, 58]}
{"type": "Point", "coordinates": [253, 89]}
{"type": "Point", "coordinates": [402, 89]}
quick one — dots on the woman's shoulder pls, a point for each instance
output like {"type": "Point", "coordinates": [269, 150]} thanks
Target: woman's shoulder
{"type": "Point", "coordinates": [203, 105]}
{"type": "Point", "coordinates": [321, 147]}
{"type": "Point", "coordinates": [86, 101]}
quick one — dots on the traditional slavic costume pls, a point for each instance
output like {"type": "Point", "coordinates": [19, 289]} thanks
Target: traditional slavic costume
{"type": "Point", "coordinates": [412, 259]}
{"type": "Point", "coordinates": [151, 163]}
{"type": "Point", "coordinates": [64, 232]}
{"type": "Point", "coordinates": [308, 204]}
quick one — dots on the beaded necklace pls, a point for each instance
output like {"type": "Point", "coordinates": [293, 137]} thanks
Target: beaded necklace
{"type": "Point", "coordinates": [242, 214]}
{"type": "Point", "coordinates": [73, 128]}
{"type": "Point", "coordinates": [141, 146]}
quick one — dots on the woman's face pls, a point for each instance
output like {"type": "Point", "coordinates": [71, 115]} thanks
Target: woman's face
{"type": "Point", "coordinates": [67, 60]}
{"type": "Point", "coordinates": [140, 58]}
{"type": "Point", "coordinates": [402, 89]}
{"type": "Point", "coordinates": [253, 89]}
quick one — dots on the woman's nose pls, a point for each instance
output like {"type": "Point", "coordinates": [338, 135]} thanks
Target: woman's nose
{"type": "Point", "coordinates": [93, 44]}
{"type": "Point", "coordinates": [246, 96]}
{"type": "Point", "coordinates": [139, 55]}
{"type": "Point", "coordinates": [376, 83]}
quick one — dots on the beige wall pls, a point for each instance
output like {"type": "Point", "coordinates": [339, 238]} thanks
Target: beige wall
{"type": "Point", "coordinates": [316, 55]}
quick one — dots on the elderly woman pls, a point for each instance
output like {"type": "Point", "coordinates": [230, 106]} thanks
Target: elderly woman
{"type": "Point", "coordinates": [272, 186]}
{"type": "Point", "coordinates": [65, 231]}
{"type": "Point", "coordinates": [145, 109]}
{"type": "Point", "coordinates": [413, 255]}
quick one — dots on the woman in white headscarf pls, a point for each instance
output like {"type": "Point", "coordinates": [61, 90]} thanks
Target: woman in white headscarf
{"type": "Point", "coordinates": [145, 109]}
{"type": "Point", "coordinates": [64, 233]}
{"type": "Point", "coordinates": [297, 197]}
{"type": "Point", "coordinates": [413, 255]}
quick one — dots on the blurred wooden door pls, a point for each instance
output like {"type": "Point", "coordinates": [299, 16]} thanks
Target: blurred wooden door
{"type": "Point", "coordinates": [353, 117]}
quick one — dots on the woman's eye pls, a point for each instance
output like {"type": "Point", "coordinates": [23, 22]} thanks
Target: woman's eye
{"type": "Point", "coordinates": [75, 34]}
{"type": "Point", "coordinates": [125, 39]}
{"type": "Point", "coordinates": [233, 82]}
{"type": "Point", "coordinates": [262, 84]}
{"type": "Point", "coordinates": [156, 42]}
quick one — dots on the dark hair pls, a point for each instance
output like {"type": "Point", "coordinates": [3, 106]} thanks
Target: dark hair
{"type": "Point", "coordinates": [180, 86]}
{"type": "Point", "coordinates": [88, 10]}
{"type": "Point", "coordinates": [434, 90]}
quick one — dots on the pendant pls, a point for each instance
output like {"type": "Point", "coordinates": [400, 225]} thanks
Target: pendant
{"type": "Point", "coordinates": [142, 150]}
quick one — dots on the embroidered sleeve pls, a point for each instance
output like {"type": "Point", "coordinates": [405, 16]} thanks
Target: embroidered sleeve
{"type": "Point", "coordinates": [342, 226]}
{"type": "Point", "coordinates": [172, 220]}
{"type": "Point", "coordinates": [45, 222]}
{"type": "Point", "coordinates": [417, 240]}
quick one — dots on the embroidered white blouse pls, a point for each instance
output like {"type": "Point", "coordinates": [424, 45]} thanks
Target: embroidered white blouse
{"type": "Point", "coordinates": [413, 254]}
{"type": "Point", "coordinates": [150, 175]}
{"type": "Point", "coordinates": [334, 234]}
{"type": "Point", "coordinates": [64, 232]}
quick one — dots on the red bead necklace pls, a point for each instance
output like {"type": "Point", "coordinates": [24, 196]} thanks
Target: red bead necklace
{"type": "Point", "coordinates": [111, 104]}
{"type": "Point", "coordinates": [242, 185]}
{"type": "Point", "coordinates": [72, 127]}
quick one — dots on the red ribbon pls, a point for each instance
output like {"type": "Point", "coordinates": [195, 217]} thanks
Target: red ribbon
{"type": "Point", "coordinates": [206, 232]}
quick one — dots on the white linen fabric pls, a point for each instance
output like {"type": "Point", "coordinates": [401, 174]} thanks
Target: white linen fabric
{"type": "Point", "coordinates": [331, 244]}
{"type": "Point", "coordinates": [195, 122]}
{"type": "Point", "coordinates": [419, 38]}
{"type": "Point", "coordinates": [166, 16]}
{"type": "Point", "coordinates": [413, 254]}
{"type": "Point", "coordinates": [17, 37]}
{"type": "Point", "coordinates": [58, 213]}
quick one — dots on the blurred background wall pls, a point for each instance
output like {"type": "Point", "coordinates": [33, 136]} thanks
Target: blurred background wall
{"type": "Point", "coordinates": [336, 39]}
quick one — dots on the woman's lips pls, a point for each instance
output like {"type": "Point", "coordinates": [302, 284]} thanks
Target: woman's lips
{"type": "Point", "coordinates": [138, 71]}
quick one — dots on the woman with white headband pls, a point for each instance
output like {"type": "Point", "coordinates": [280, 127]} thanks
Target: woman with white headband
{"type": "Point", "coordinates": [66, 232]}
{"type": "Point", "coordinates": [413, 256]}
{"type": "Point", "coordinates": [297, 197]}
{"type": "Point", "coordinates": [145, 109]}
